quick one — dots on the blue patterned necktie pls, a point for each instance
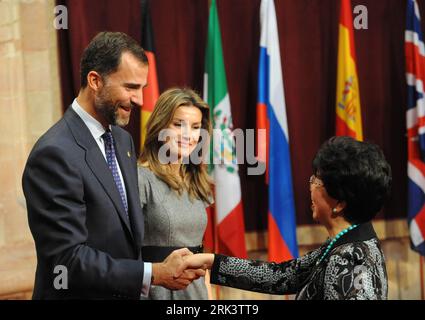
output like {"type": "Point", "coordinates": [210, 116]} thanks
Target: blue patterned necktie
{"type": "Point", "coordinates": [112, 164]}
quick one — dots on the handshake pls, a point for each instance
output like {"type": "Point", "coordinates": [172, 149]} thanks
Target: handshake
{"type": "Point", "coordinates": [180, 268]}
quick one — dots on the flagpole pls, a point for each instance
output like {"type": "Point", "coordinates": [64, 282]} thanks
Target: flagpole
{"type": "Point", "coordinates": [217, 288]}
{"type": "Point", "coordinates": [421, 270]}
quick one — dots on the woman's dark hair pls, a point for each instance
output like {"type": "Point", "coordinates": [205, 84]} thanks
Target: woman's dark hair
{"type": "Point", "coordinates": [103, 54]}
{"type": "Point", "coordinates": [355, 172]}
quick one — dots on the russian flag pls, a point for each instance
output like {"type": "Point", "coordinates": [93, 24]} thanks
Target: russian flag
{"type": "Point", "coordinates": [271, 116]}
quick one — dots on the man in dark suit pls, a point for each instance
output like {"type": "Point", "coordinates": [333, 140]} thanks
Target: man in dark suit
{"type": "Point", "coordinates": [80, 185]}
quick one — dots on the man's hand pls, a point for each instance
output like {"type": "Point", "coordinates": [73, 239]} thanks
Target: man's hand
{"type": "Point", "coordinates": [172, 273]}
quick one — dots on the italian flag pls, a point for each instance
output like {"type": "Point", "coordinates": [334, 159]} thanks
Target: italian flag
{"type": "Point", "coordinates": [228, 226]}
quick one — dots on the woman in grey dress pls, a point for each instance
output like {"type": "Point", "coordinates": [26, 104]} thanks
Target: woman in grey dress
{"type": "Point", "coordinates": [174, 185]}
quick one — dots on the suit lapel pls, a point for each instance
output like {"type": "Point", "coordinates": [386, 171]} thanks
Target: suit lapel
{"type": "Point", "coordinates": [96, 162]}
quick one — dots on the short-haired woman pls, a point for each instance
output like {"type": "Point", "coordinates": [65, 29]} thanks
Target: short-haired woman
{"type": "Point", "coordinates": [350, 182]}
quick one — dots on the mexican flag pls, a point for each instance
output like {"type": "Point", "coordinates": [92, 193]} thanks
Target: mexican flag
{"type": "Point", "coordinates": [229, 228]}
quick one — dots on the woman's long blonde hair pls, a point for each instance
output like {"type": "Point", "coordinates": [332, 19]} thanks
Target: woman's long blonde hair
{"type": "Point", "coordinates": [195, 177]}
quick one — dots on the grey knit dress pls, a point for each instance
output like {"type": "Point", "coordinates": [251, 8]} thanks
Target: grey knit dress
{"type": "Point", "coordinates": [171, 220]}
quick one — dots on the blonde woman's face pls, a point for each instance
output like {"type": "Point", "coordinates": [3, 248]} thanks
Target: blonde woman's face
{"type": "Point", "coordinates": [185, 129]}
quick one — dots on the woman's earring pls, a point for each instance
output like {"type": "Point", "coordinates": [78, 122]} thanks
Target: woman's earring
{"type": "Point", "coordinates": [334, 211]}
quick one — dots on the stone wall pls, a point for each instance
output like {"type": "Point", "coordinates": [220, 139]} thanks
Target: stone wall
{"type": "Point", "coordinates": [29, 104]}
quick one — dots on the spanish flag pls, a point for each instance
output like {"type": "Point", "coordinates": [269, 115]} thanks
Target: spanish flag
{"type": "Point", "coordinates": [151, 91]}
{"type": "Point", "coordinates": [348, 112]}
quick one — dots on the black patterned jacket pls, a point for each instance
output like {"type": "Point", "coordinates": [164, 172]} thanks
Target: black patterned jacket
{"type": "Point", "coordinates": [353, 269]}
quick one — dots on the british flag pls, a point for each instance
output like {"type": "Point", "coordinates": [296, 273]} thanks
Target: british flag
{"type": "Point", "coordinates": [415, 118]}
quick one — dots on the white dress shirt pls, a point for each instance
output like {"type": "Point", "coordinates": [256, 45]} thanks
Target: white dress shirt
{"type": "Point", "coordinates": [97, 130]}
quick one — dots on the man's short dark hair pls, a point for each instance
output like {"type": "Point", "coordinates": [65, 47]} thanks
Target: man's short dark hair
{"type": "Point", "coordinates": [355, 172]}
{"type": "Point", "coordinates": [103, 54]}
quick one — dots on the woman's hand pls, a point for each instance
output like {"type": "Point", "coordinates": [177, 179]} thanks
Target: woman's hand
{"type": "Point", "coordinates": [199, 260]}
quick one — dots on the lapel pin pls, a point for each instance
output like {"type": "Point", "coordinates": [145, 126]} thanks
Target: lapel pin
{"type": "Point", "coordinates": [129, 154]}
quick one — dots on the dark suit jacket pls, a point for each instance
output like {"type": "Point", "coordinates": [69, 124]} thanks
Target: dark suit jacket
{"type": "Point", "coordinates": [77, 218]}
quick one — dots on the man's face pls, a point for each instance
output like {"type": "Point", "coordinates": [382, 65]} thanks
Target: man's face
{"type": "Point", "coordinates": [122, 91]}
